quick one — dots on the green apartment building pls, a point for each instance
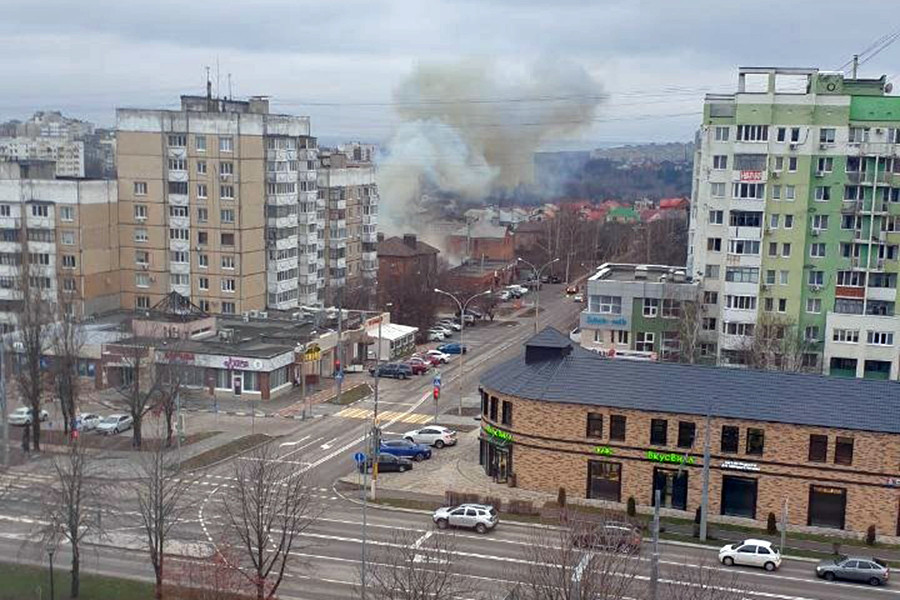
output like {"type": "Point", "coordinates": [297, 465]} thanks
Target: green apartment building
{"type": "Point", "coordinates": [795, 218]}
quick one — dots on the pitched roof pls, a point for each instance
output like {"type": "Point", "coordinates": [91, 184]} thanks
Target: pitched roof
{"type": "Point", "coordinates": [395, 246]}
{"type": "Point", "coordinates": [583, 377]}
{"type": "Point", "coordinates": [482, 229]}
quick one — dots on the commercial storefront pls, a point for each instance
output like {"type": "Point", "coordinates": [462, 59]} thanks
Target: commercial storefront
{"type": "Point", "coordinates": [610, 430]}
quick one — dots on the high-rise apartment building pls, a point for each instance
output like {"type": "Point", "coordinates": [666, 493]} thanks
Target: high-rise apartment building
{"type": "Point", "coordinates": [218, 202]}
{"type": "Point", "coordinates": [348, 189]}
{"type": "Point", "coordinates": [795, 218]}
{"type": "Point", "coordinates": [66, 154]}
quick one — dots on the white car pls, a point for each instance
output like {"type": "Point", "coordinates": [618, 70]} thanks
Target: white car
{"type": "Point", "coordinates": [521, 288]}
{"type": "Point", "coordinates": [450, 324]}
{"type": "Point", "coordinates": [578, 298]}
{"type": "Point", "coordinates": [752, 553]}
{"type": "Point", "coordinates": [504, 295]}
{"type": "Point", "coordinates": [480, 517]}
{"type": "Point", "coordinates": [114, 424]}
{"type": "Point", "coordinates": [443, 329]}
{"type": "Point", "coordinates": [435, 336]}
{"type": "Point", "coordinates": [434, 435]}
{"type": "Point", "coordinates": [441, 356]}
{"type": "Point", "coordinates": [87, 421]}
{"type": "Point", "coordinates": [22, 416]}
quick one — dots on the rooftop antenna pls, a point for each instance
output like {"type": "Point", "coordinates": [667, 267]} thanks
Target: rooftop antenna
{"type": "Point", "coordinates": [855, 65]}
{"type": "Point", "coordinates": [230, 95]}
{"type": "Point", "coordinates": [208, 90]}
{"type": "Point", "coordinates": [218, 88]}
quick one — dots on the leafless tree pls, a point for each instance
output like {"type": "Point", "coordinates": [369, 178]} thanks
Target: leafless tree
{"type": "Point", "coordinates": [776, 344]}
{"type": "Point", "coordinates": [73, 507]}
{"type": "Point", "coordinates": [142, 386]}
{"type": "Point", "coordinates": [265, 511]}
{"type": "Point", "coordinates": [66, 342]}
{"type": "Point", "coordinates": [582, 560]}
{"type": "Point", "coordinates": [413, 567]}
{"type": "Point", "coordinates": [173, 376]}
{"type": "Point", "coordinates": [160, 492]}
{"type": "Point", "coordinates": [702, 582]}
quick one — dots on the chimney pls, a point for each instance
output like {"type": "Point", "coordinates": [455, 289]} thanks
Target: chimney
{"type": "Point", "coordinates": [379, 236]}
{"type": "Point", "coordinates": [410, 240]}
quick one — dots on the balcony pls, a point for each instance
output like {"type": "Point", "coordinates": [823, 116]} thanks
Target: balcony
{"type": "Point", "coordinates": [744, 232]}
{"type": "Point", "coordinates": [176, 152]}
{"type": "Point", "coordinates": [180, 222]}
{"type": "Point", "coordinates": [370, 219]}
{"type": "Point", "coordinates": [286, 242]}
{"type": "Point", "coordinates": [178, 199]}
{"type": "Point", "coordinates": [282, 222]}
{"type": "Point", "coordinates": [337, 204]}
{"type": "Point", "coordinates": [369, 237]}
{"type": "Point", "coordinates": [177, 175]}
{"type": "Point", "coordinates": [282, 154]}
{"type": "Point", "coordinates": [281, 176]}
{"type": "Point", "coordinates": [370, 257]}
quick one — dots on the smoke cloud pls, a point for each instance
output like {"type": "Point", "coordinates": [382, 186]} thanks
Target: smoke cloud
{"type": "Point", "coordinates": [470, 128]}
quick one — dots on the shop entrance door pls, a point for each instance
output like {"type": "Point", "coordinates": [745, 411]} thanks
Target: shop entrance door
{"type": "Point", "coordinates": [672, 485]}
{"type": "Point", "coordinates": [501, 465]}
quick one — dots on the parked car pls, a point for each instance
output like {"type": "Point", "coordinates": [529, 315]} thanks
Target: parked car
{"type": "Point", "coordinates": [468, 318]}
{"type": "Point", "coordinates": [854, 568]}
{"type": "Point", "coordinates": [428, 358]}
{"type": "Point", "coordinates": [23, 414]}
{"type": "Point", "coordinates": [571, 289]}
{"type": "Point", "coordinates": [453, 348]}
{"type": "Point", "coordinates": [611, 535]}
{"type": "Point", "coordinates": [479, 517]}
{"type": "Point", "coordinates": [442, 357]}
{"type": "Point", "coordinates": [87, 421]}
{"type": "Point", "coordinates": [518, 288]}
{"type": "Point", "coordinates": [434, 435]}
{"type": "Point", "coordinates": [450, 323]}
{"type": "Point", "coordinates": [114, 424]}
{"type": "Point", "coordinates": [406, 449]}
{"type": "Point", "coordinates": [504, 295]}
{"type": "Point", "coordinates": [419, 366]}
{"type": "Point", "coordinates": [578, 297]}
{"type": "Point", "coordinates": [388, 462]}
{"type": "Point", "coordinates": [434, 335]}
{"type": "Point", "coordinates": [753, 553]}
{"type": "Point", "coordinates": [395, 370]}
{"type": "Point", "coordinates": [447, 331]}
{"type": "Point", "coordinates": [514, 291]}
{"type": "Point", "coordinates": [475, 313]}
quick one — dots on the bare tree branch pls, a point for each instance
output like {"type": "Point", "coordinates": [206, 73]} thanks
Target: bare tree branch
{"type": "Point", "coordinates": [702, 582]}
{"type": "Point", "coordinates": [66, 342]}
{"type": "Point", "coordinates": [142, 385]}
{"type": "Point", "coordinates": [776, 344]}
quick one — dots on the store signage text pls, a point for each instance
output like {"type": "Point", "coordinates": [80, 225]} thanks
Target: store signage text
{"type": "Point", "coordinates": [179, 357]}
{"type": "Point", "coordinates": [670, 457]}
{"type": "Point", "coordinates": [603, 450]}
{"type": "Point", "coordinates": [232, 363]}
{"type": "Point", "coordinates": [498, 433]}
{"type": "Point", "coordinates": [595, 320]}
{"type": "Point", "coordinates": [751, 175]}
{"type": "Point", "coordinates": [738, 465]}
{"type": "Point", "coordinates": [313, 353]}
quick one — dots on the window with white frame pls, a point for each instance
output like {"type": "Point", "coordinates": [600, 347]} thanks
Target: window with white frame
{"type": "Point", "coordinates": [228, 285]}
{"type": "Point", "coordinates": [784, 277]}
{"type": "Point", "coordinates": [68, 261]}
{"type": "Point", "coordinates": [773, 221]}
{"type": "Point", "coordinates": [142, 280]}
{"type": "Point", "coordinates": [201, 167]}
{"type": "Point", "coordinates": [226, 168]}
{"type": "Point", "coordinates": [610, 305]}
{"type": "Point", "coordinates": [226, 192]}
{"type": "Point", "coordinates": [179, 256]}
{"type": "Point", "coordinates": [786, 249]}
{"type": "Point", "coordinates": [811, 333]}
{"type": "Point", "coordinates": [179, 279]}
{"type": "Point", "coordinates": [621, 336]}
{"type": "Point", "coordinates": [202, 191]}
{"type": "Point", "coordinates": [179, 234]}
{"type": "Point", "coordinates": [816, 278]}
{"type": "Point", "coordinates": [846, 336]}
{"type": "Point", "coordinates": [227, 215]}
{"type": "Point", "coordinates": [200, 143]}
{"type": "Point", "coordinates": [825, 164]}
{"type": "Point", "coordinates": [781, 134]}
{"type": "Point", "coordinates": [717, 190]}
{"type": "Point", "coordinates": [740, 302]}
{"type": "Point", "coordinates": [823, 193]}
{"type": "Point", "coordinates": [776, 192]}
{"type": "Point", "coordinates": [742, 274]}
{"type": "Point", "coordinates": [203, 283]}
{"type": "Point", "coordinates": [178, 211]}
{"type": "Point", "coordinates": [879, 338]}
{"type": "Point", "coordinates": [40, 210]}
{"type": "Point", "coordinates": [788, 221]}
{"type": "Point", "coordinates": [228, 262]}
{"type": "Point", "coordinates": [778, 164]}
{"type": "Point", "coordinates": [228, 308]}
{"type": "Point", "coordinates": [736, 328]}
{"type": "Point", "coordinates": [177, 164]}
{"type": "Point", "coordinates": [857, 135]}
{"type": "Point", "coordinates": [651, 307]}
{"type": "Point", "coordinates": [177, 140]}
{"type": "Point", "coordinates": [817, 250]}
{"type": "Point", "coordinates": [851, 279]}
{"type": "Point", "coordinates": [202, 215]}
{"type": "Point", "coordinates": [795, 135]}
{"type": "Point", "coordinates": [790, 192]}
{"type": "Point", "coordinates": [755, 191]}
{"type": "Point", "coordinates": [720, 162]}
{"type": "Point", "coordinates": [644, 341]}
{"type": "Point", "coordinates": [6, 210]}
{"type": "Point", "coordinates": [66, 213]}
{"type": "Point", "coordinates": [203, 261]}
{"type": "Point", "coordinates": [226, 143]}
{"type": "Point", "coordinates": [140, 212]}
{"type": "Point", "coordinates": [820, 222]}
{"type": "Point", "coordinates": [737, 246]}
{"type": "Point", "coordinates": [826, 135]}
{"type": "Point", "coordinates": [140, 235]}
{"type": "Point", "coordinates": [722, 133]}
{"type": "Point", "coordinates": [141, 257]}
{"type": "Point", "coordinates": [67, 238]}
{"type": "Point", "coordinates": [716, 217]}
{"type": "Point", "coordinates": [752, 133]}
{"type": "Point", "coordinates": [814, 305]}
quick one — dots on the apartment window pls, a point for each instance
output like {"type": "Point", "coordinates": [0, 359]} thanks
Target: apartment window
{"type": "Point", "coordinates": [879, 338]}
{"type": "Point", "coordinates": [843, 451]}
{"type": "Point", "coordinates": [817, 250]}
{"type": "Point", "coordinates": [227, 239]}
{"type": "Point", "coordinates": [644, 340]}
{"type": "Point", "coordinates": [179, 279]}
{"type": "Point", "coordinates": [755, 441]}
{"type": "Point", "coordinates": [201, 167]}
{"type": "Point", "coordinates": [708, 323]}
{"type": "Point", "coordinates": [720, 162]}
{"type": "Point", "coordinates": [792, 164]}
{"type": "Point", "coordinates": [730, 438]}
{"type": "Point", "coordinates": [226, 192]}
{"type": "Point", "coordinates": [178, 211]}
{"type": "Point", "coordinates": [227, 215]}
{"type": "Point", "coordinates": [178, 256]}
{"type": "Point", "coordinates": [686, 431]}
{"type": "Point", "coordinates": [826, 135]}
{"type": "Point", "coordinates": [228, 284]}
{"type": "Point", "coordinates": [795, 134]}
{"type": "Point", "coordinates": [743, 247]}
{"type": "Point", "coordinates": [202, 215]}
{"type": "Point", "coordinates": [716, 217]}
{"type": "Point", "coordinates": [140, 235]}
{"type": "Point", "coordinates": [69, 284]}
{"type": "Point", "coordinates": [847, 336]}
{"type": "Point", "coordinates": [717, 190]}
{"type": "Point", "coordinates": [788, 221]}
{"type": "Point", "coordinates": [659, 430]}
{"type": "Point", "coordinates": [5, 211]}
{"type": "Point", "coordinates": [816, 278]}
{"type": "Point", "coordinates": [740, 302]}
{"type": "Point", "coordinates": [595, 425]}
{"type": "Point", "coordinates": [782, 305]}
{"type": "Point", "coordinates": [814, 305]}
{"type": "Point", "coordinates": [742, 274]}
{"type": "Point", "coordinates": [851, 279]}
{"type": "Point", "coordinates": [671, 309]}
{"type": "Point", "coordinates": [203, 283]}
{"type": "Point", "coordinates": [714, 244]}
{"type": "Point", "coordinates": [177, 164]}
{"type": "Point", "coordinates": [68, 238]}
{"type": "Point", "coordinates": [68, 261]}
{"type": "Point", "coordinates": [39, 210]}
{"type": "Point", "coordinates": [140, 212]}
{"type": "Point", "coordinates": [228, 262]}
{"type": "Point", "coordinates": [752, 133]}
{"type": "Point", "coordinates": [141, 257]}
{"type": "Point", "coordinates": [621, 337]}
{"type": "Point", "coordinates": [786, 249]}
{"type": "Point", "coordinates": [773, 221]}
{"type": "Point", "coordinates": [226, 168]}
{"type": "Point", "coordinates": [228, 308]}
{"type": "Point", "coordinates": [200, 143]}
{"type": "Point", "coordinates": [790, 192]}
{"type": "Point", "coordinates": [66, 213]}
{"type": "Point", "coordinates": [769, 304]}
{"type": "Point", "coordinates": [822, 193]}
{"type": "Point", "coordinates": [177, 140]}
{"type": "Point", "coordinates": [203, 260]}
{"type": "Point", "coordinates": [203, 238]}
{"type": "Point", "coordinates": [651, 307]}
{"type": "Point", "coordinates": [178, 187]}
{"type": "Point", "coordinates": [722, 134]}
{"type": "Point", "coordinates": [142, 280]}
{"type": "Point", "coordinates": [711, 271]}
{"type": "Point", "coordinates": [506, 413]}
{"type": "Point", "coordinates": [204, 305]}
{"type": "Point", "coordinates": [710, 297]}
{"type": "Point", "coordinates": [820, 222]}
{"type": "Point", "coordinates": [779, 164]}
{"type": "Point", "coordinates": [825, 164]}
{"type": "Point", "coordinates": [750, 191]}
{"type": "Point", "coordinates": [202, 191]}
{"type": "Point", "coordinates": [776, 192]}
{"type": "Point", "coordinates": [818, 448]}
{"type": "Point", "coordinates": [734, 328]}
{"type": "Point", "coordinates": [142, 302]}
{"type": "Point", "coordinates": [780, 134]}
{"type": "Point", "coordinates": [140, 188]}
{"type": "Point", "coordinates": [226, 143]}
{"type": "Point", "coordinates": [617, 428]}
{"type": "Point", "coordinates": [857, 135]}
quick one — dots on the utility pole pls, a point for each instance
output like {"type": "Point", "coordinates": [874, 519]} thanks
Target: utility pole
{"type": "Point", "coordinates": [4, 409]}
{"type": "Point", "coordinates": [376, 437]}
{"type": "Point", "coordinates": [365, 470]}
{"type": "Point", "coordinates": [654, 558]}
{"type": "Point", "coordinates": [704, 499]}
{"type": "Point", "coordinates": [462, 328]}
{"type": "Point", "coordinates": [855, 66]}
{"type": "Point", "coordinates": [784, 525]}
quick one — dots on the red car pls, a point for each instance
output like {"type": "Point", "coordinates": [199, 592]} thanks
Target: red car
{"type": "Point", "coordinates": [419, 366]}
{"type": "Point", "coordinates": [428, 359]}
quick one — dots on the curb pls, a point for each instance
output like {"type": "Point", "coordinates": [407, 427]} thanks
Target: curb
{"type": "Point", "coordinates": [232, 457]}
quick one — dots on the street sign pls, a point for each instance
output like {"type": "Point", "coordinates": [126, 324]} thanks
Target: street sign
{"type": "Point", "coordinates": [437, 380]}
{"type": "Point", "coordinates": [339, 375]}
{"type": "Point", "coordinates": [359, 457]}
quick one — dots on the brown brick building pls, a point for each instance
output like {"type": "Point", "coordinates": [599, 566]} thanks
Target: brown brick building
{"type": "Point", "coordinates": [608, 429]}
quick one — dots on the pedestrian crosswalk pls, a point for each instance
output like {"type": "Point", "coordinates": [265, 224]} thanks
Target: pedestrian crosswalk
{"type": "Point", "coordinates": [385, 416]}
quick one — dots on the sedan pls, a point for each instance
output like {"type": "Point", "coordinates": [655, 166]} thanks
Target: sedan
{"type": "Point", "coordinates": [578, 298]}
{"type": "Point", "coordinates": [853, 568]}
{"type": "Point", "coordinates": [442, 328]}
{"type": "Point", "coordinates": [434, 361]}
{"type": "Point", "coordinates": [388, 462]}
{"type": "Point", "coordinates": [419, 366]}
{"type": "Point", "coordinates": [611, 535]}
{"type": "Point", "coordinates": [571, 289]}
{"type": "Point", "coordinates": [434, 435]}
{"type": "Point", "coordinates": [87, 421]}
{"type": "Point", "coordinates": [452, 348]}
{"type": "Point", "coordinates": [22, 416]}
{"type": "Point", "coordinates": [114, 424]}
{"type": "Point", "coordinates": [406, 449]}
{"type": "Point", "coordinates": [504, 295]}
{"type": "Point", "coordinates": [443, 357]}
{"type": "Point", "coordinates": [753, 553]}
{"type": "Point", "coordinates": [451, 324]}
{"type": "Point", "coordinates": [434, 335]}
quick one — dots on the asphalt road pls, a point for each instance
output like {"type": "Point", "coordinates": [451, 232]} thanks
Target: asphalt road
{"type": "Point", "coordinates": [328, 560]}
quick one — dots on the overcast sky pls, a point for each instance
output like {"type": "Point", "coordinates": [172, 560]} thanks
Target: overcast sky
{"type": "Point", "coordinates": [655, 59]}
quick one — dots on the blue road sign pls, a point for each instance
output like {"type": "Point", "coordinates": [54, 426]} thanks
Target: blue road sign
{"type": "Point", "coordinates": [339, 376]}
{"type": "Point", "coordinates": [437, 380]}
{"type": "Point", "coordinates": [359, 457]}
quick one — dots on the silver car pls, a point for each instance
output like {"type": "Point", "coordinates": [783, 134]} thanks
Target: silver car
{"type": "Point", "coordinates": [854, 568]}
{"type": "Point", "coordinates": [433, 435]}
{"type": "Point", "coordinates": [479, 517]}
{"type": "Point", "coordinates": [23, 414]}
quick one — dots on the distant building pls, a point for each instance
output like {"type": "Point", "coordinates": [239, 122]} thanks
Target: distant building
{"type": "Point", "coordinates": [479, 275]}
{"type": "Point", "coordinates": [399, 258]}
{"type": "Point", "coordinates": [66, 154]}
{"type": "Point", "coordinates": [481, 240]}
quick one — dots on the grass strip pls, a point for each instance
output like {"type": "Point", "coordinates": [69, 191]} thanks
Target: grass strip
{"type": "Point", "coordinates": [220, 453]}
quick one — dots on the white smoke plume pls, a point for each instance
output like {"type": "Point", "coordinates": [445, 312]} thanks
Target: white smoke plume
{"type": "Point", "coordinates": [471, 127]}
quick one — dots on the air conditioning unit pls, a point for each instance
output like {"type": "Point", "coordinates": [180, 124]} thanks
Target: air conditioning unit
{"type": "Point", "coordinates": [776, 174]}
{"type": "Point", "coordinates": [766, 287]}
{"type": "Point", "coordinates": [816, 287]}
{"type": "Point", "coordinates": [816, 232]}
{"type": "Point", "coordinates": [823, 146]}
{"type": "Point", "coordinates": [820, 173]}
{"type": "Point", "coordinates": [263, 314]}
{"type": "Point", "coordinates": [879, 130]}
{"type": "Point", "coordinates": [793, 145]}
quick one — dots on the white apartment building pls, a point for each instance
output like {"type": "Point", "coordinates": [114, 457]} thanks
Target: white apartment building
{"type": "Point", "coordinates": [67, 154]}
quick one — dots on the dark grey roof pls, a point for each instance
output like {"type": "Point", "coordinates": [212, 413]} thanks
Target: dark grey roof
{"type": "Point", "coordinates": [583, 377]}
{"type": "Point", "coordinates": [549, 338]}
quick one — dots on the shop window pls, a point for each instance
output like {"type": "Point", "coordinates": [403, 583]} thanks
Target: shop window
{"type": "Point", "coordinates": [827, 506]}
{"type": "Point", "coordinates": [604, 480]}
{"type": "Point", "coordinates": [617, 428]}
{"type": "Point", "coordinates": [506, 414]}
{"type": "Point", "coordinates": [494, 402]}
{"type": "Point", "coordinates": [659, 429]}
{"type": "Point", "coordinates": [843, 451]}
{"type": "Point", "coordinates": [672, 485]}
{"type": "Point", "coordinates": [755, 441]}
{"type": "Point", "coordinates": [739, 496]}
{"type": "Point", "coordinates": [594, 425]}
{"type": "Point", "coordinates": [818, 448]}
{"type": "Point", "coordinates": [730, 438]}
{"type": "Point", "coordinates": [686, 432]}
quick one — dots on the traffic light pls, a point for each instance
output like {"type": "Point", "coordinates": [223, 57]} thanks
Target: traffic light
{"type": "Point", "coordinates": [337, 365]}
{"type": "Point", "coordinates": [437, 392]}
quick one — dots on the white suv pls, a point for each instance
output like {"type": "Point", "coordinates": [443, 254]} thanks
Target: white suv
{"type": "Point", "coordinates": [434, 435]}
{"type": "Point", "coordinates": [479, 517]}
{"type": "Point", "coordinates": [22, 416]}
{"type": "Point", "coordinates": [753, 553]}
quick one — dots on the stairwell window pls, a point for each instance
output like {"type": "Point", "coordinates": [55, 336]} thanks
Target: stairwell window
{"type": "Point", "coordinates": [140, 188]}
{"type": "Point", "coordinates": [651, 307]}
{"type": "Point", "coordinates": [823, 193]}
{"type": "Point", "coordinates": [826, 135]}
{"type": "Point", "coordinates": [814, 305]}
{"type": "Point", "coordinates": [228, 285]}
{"type": "Point", "coordinates": [825, 164]}
{"type": "Point", "coordinates": [644, 341]}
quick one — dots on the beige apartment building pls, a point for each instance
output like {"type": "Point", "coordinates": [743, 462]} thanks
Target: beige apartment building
{"type": "Point", "coordinates": [68, 230]}
{"type": "Point", "coordinates": [218, 202]}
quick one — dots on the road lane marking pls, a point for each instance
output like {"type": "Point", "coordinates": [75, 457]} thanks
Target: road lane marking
{"type": "Point", "coordinates": [294, 443]}
{"type": "Point", "coordinates": [328, 444]}
{"type": "Point", "coordinates": [301, 448]}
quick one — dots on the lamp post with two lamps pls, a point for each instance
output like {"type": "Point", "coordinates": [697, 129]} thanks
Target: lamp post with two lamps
{"type": "Point", "coordinates": [537, 277]}
{"type": "Point", "coordinates": [462, 328]}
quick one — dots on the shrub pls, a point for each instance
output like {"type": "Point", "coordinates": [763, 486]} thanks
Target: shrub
{"type": "Point", "coordinates": [492, 501]}
{"type": "Point", "coordinates": [561, 497]}
{"type": "Point", "coordinates": [632, 507]}
{"type": "Point", "coordinates": [771, 524]}
{"type": "Point", "coordinates": [870, 535]}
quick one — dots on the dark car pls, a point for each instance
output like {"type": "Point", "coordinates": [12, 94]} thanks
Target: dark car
{"type": "Point", "coordinates": [571, 289]}
{"type": "Point", "coordinates": [406, 449]}
{"type": "Point", "coordinates": [854, 568]}
{"type": "Point", "coordinates": [555, 279]}
{"type": "Point", "coordinates": [395, 370]}
{"type": "Point", "coordinates": [388, 462]}
{"type": "Point", "coordinates": [452, 348]}
{"type": "Point", "coordinates": [418, 365]}
{"type": "Point", "coordinates": [612, 535]}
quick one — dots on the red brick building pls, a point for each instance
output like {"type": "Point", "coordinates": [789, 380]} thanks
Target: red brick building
{"type": "Point", "coordinates": [481, 240]}
{"type": "Point", "coordinates": [399, 257]}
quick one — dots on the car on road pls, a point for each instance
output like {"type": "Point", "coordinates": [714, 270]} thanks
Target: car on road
{"type": "Point", "coordinates": [571, 289]}
{"type": "Point", "coordinates": [388, 463]}
{"type": "Point", "coordinates": [419, 366]}
{"type": "Point", "coordinates": [395, 370]}
{"type": "Point", "coordinates": [467, 317]}
{"type": "Point", "coordinates": [114, 424]}
{"type": "Point", "coordinates": [453, 348]}
{"type": "Point", "coordinates": [854, 568]}
{"type": "Point", "coordinates": [23, 414]}
{"type": "Point", "coordinates": [87, 421]}
{"type": "Point", "coordinates": [610, 535]}
{"type": "Point", "coordinates": [433, 435]}
{"type": "Point", "coordinates": [578, 297]}
{"type": "Point", "coordinates": [752, 553]}
{"type": "Point", "coordinates": [406, 449]}
{"type": "Point", "coordinates": [443, 357]}
{"type": "Point", "coordinates": [434, 361]}
{"type": "Point", "coordinates": [447, 331]}
{"type": "Point", "coordinates": [434, 335]}
{"type": "Point", "coordinates": [504, 295]}
{"type": "Point", "coordinates": [480, 517]}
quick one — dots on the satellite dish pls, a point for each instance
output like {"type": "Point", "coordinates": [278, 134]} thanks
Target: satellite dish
{"type": "Point", "coordinates": [888, 88]}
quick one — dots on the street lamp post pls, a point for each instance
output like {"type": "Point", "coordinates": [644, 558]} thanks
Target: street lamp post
{"type": "Point", "coordinates": [52, 591]}
{"type": "Point", "coordinates": [462, 328]}
{"type": "Point", "coordinates": [537, 277]}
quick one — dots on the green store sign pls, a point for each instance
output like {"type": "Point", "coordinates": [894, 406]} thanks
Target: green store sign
{"type": "Point", "coordinates": [670, 457]}
{"type": "Point", "coordinates": [603, 450]}
{"type": "Point", "coordinates": [498, 433]}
